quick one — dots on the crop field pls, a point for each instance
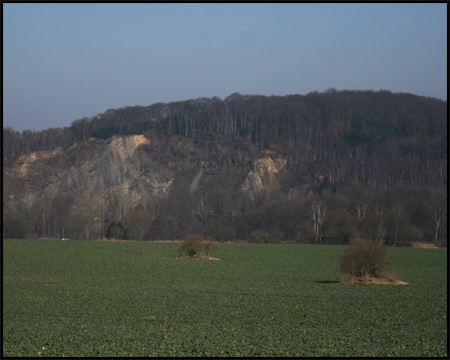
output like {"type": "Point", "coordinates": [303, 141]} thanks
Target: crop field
{"type": "Point", "coordinates": [94, 298]}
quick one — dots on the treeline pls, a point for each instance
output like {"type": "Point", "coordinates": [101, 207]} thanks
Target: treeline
{"type": "Point", "coordinates": [378, 138]}
{"type": "Point", "coordinates": [398, 217]}
{"type": "Point", "coordinates": [74, 218]}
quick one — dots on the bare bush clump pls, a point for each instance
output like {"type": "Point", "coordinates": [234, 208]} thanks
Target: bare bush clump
{"type": "Point", "coordinates": [365, 259]}
{"type": "Point", "coordinates": [191, 246]}
{"type": "Point", "coordinates": [196, 246]}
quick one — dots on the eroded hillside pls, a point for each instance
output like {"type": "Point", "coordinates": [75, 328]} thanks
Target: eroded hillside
{"type": "Point", "coordinates": [373, 162]}
{"type": "Point", "coordinates": [124, 173]}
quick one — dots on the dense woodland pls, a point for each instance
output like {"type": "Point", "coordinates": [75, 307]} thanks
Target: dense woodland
{"type": "Point", "coordinates": [381, 159]}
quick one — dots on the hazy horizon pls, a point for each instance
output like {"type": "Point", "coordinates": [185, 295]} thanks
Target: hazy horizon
{"type": "Point", "coordinates": [63, 62]}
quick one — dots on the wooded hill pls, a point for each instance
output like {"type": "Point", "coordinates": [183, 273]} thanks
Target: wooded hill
{"type": "Point", "coordinates": [280, 162]}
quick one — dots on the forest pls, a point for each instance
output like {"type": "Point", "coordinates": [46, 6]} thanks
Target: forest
{"type": "Point", "coordinates": [375, 163]}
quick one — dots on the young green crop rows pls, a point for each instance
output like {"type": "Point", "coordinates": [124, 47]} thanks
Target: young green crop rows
{"type": "Point", "coordinates": [87, 298]}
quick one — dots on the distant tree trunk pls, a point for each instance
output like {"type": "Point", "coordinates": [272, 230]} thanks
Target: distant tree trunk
{"type": "Point", "coordinates": [438, 207]}
{"type": "Point", "coordinates": [360, 212]}
{"type": "Point", "coordinates": [318, 215]}
{"type": "Point", "coordinates": [437, 220]}
{"type": "Point", "coordinates": [398, 211]}
{"type": "Point", "coordinates": [380, 232]}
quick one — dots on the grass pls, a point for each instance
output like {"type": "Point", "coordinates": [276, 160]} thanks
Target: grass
{"type": "Point", "coordinates": [87, 298]}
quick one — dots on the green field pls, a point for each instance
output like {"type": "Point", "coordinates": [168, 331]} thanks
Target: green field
{"type": "Point", "coordinates": [91, 298]}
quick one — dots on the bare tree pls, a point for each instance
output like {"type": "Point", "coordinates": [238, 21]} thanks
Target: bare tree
{"type": "Point", "coordinates": [360, 212]}
{"type": "Point", "coordinates": [437, 221]}
{"type": "Point", "coordinates": [86, 210]}
{"type": "Point", "coordinates": [318, 215]}
{"type": "Point", "coordinates": [397, 210]}
{"type": "Point", "coordinates": [138, 223]}
{"type": "Point", "coordinates": [380, 229]}
{"type": "Point", "coordinates": [438, 207]}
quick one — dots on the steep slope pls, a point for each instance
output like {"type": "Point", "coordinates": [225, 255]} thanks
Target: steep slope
{"type": "Point", "coordinates": [194, 165]}
{"type": "Point", "coordinates": [96, 170]}
{"type": "Point", "coordinates": [130, 171]}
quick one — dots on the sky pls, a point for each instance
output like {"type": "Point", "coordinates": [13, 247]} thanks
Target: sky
{"type": "Point", "coordinates": [66, 61]}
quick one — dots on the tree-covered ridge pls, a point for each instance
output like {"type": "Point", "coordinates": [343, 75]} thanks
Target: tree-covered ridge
{"type": "Point", "coordinates": [374, 137]}
{"type": "Point", "coordinates": [360, 116]}
{"type": "Point", "coordinates": [321, 168]}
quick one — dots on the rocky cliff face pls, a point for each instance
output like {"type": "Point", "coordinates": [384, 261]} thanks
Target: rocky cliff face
{"type": "Point", "coordinates": [263, 177]}
{"type": "Point", "coordinates": [125, 172]}
{"type": "Point", "coordinates": [97, 170]}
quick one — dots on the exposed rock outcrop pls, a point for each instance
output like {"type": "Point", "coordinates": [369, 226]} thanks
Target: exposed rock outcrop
{"type": "Point", "coordinates": [263, 175]}
{"type": "Point", "coordinates": [125, 172]}
{"type": "Point", "coordinates": [96, 170]}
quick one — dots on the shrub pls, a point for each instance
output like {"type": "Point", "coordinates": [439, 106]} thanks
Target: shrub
{"type": "Point", "coordinates": [259, 236]}
{"type": "Point", "coordinates": [365, 258]}
{"type": "Point", "coordinates": [192, 245]}
{"type": "Point", "coordinates": [116, 231]}
{"type": "Point", "coordinates": [275, 235]}
{"type": "Point", "coordinates": [225, 233]}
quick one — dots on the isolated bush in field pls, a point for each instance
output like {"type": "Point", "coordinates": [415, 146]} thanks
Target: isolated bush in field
{"type": "Point", "coordinates": [192, 245]}
{"type": "Point", "coordinates": [195, 245]}
{"type": "Point", "coordinates": [365, 258]}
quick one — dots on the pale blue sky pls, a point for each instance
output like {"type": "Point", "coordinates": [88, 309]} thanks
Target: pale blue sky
{"type": "Point", "coordinates": [62, 62]}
